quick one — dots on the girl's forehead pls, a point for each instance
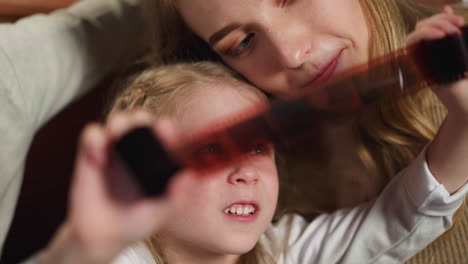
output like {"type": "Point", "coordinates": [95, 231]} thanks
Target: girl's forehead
{"type": "Point", "coordinates": [215, 102]}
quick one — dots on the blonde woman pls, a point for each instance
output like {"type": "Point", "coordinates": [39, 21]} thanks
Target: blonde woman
{"type": "Point", "coordinates": [224, 216]}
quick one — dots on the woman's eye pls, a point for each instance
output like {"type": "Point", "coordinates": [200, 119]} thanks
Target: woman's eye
{"type": "Point", "coordinates": [243, 45]}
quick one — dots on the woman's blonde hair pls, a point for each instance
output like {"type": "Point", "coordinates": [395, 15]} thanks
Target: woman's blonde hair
{"type": "Point", "coordinates": [394, 132]}
{"type": "Point", "coordinates": [171, 40]}
{"type": "Point", "coordinates": [166, 91]}
{"type": "Point", "coordinates": [390, 135]}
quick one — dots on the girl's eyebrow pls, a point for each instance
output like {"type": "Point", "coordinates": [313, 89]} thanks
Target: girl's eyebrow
{"type": "Point", "coordinates": [220, 34]}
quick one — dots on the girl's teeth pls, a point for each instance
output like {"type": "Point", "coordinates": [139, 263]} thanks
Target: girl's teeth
{"type": "Point", "coordinates": [240, 210]}
{"type": "Point", "coordinates": [246, 210]}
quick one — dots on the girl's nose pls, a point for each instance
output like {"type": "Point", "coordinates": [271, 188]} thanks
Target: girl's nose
{"type": "Point", "coordinates": [243, 173]}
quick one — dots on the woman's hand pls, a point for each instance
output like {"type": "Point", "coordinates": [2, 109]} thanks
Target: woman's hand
{"type": "Point", "coordinates": [103, 221]}
{"type": "Point", "coordinates": [447, 154]}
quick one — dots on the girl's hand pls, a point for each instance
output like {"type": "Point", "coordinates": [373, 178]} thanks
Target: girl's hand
{"type": "Point", "coordinates": [446, 155]}
{"type": "Point", "coordinates": [106, 212]}
{"type": "Point", "coordinates": [454, 96]}
{"type": "Point", "coordinates": [436, 27]}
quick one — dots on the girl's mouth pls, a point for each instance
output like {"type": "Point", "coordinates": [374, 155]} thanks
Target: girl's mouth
{"type": "Point", "coordinates": [244, 212]}
{"type": "Point", "coordinates": [240, 209]}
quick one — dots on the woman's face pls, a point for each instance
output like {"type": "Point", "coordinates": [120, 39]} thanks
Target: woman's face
{"type": "Point", "coordinates": [227, 210]}
{"type": "Point", "coordinates": [282, 45]}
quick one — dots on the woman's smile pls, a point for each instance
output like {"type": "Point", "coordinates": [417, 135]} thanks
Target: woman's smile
{"type": "Point", "coordinates": [325, 73]}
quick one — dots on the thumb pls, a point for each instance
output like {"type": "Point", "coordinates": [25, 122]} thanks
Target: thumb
{"type": "Point", "coordinates": [168, 132]}
{"type": "Point", "coordinates": [91, 165]}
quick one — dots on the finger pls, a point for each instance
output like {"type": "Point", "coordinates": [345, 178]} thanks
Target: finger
{"type": "Point", "coordinates": [451, 18]}
{"type": "Point", "coordinates": [448, 27]}
{"type": "Point", "coordinates": [168, 132]}
{"type": "Point", "coordinates": [424, 34]}
{"type": "Point", "coordinates": [448, 10]}
{"type": "Point", "coordinates": [459, 20]}
{"type": "Point", "coordinates": [120, 123]}
{"type": "Point", "coordinates": [88, 193]}
{"type": "Point", "coordinates": [93, 156]}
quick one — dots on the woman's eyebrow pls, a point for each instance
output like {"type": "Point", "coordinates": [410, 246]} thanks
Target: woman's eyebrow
{"type": "Point", "coordinates": [220, 34]}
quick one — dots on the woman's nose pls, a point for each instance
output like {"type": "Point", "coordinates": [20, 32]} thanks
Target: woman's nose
{"type": "Point", "coordinates": [292, 50]}
{"type": "Point", "coordinates": [243, 173]}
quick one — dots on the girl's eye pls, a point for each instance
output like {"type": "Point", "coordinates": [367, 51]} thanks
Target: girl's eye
{"type": "Point", "coordinates": [210, 154]}
{"type": "Point", "coordinates": [213, 148]}
{"type": "Point", "coordinates": [261, 149]}
{"type": "Point", "coordinates": [243, 45]}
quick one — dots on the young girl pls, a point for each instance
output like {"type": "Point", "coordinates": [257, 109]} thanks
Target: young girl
{"type": "Point", "coordinates": [224, 216]}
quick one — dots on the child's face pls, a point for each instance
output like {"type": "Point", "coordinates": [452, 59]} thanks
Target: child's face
{"type": "Point", "coordinates": [205, 224]}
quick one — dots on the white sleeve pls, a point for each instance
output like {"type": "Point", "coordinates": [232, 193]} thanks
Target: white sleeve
{"type": "Point", "coordinates": [48, 60]}
{"type": "Point", "coordinates": [413, 210]}
{"type": "Point", "coordinates": [45, 62]}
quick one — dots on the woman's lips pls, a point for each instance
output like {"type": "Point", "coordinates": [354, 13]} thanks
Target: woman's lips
{"type": "Point", "coordinates": [326, 72]}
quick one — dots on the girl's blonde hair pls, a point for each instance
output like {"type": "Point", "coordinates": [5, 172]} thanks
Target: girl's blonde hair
{"type": "Point", "coordinates": [166, 91]}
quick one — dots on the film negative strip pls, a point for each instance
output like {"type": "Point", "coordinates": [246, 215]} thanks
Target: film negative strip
{"type": "Point", "coordinates": [397, 74]}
